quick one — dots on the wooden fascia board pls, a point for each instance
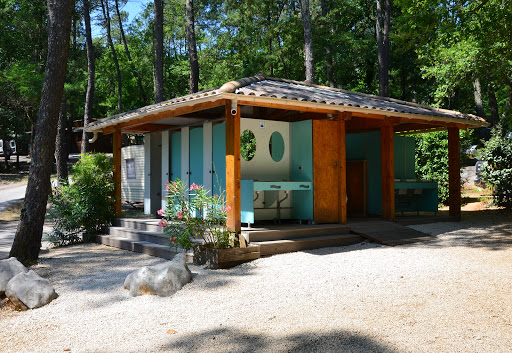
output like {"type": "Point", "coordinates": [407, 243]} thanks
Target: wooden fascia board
{"type": "Point", "coordinates": [164, 112]}
{"type": "Point", "coordinates": [304, 106]}
{"type": "Point", "coordinates": [145, 128]}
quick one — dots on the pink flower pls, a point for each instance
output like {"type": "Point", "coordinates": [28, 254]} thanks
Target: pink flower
{"type": "Point", "coordinates": [194, 186]}
{"type": "Point", "coordinates": [160, 212]}
{"type": "Point", "coordinates": [162, 223]}
{"type": "Point", "coordinates": [228, 208]}
{"type": "Point", "coordinates": [180, 214]}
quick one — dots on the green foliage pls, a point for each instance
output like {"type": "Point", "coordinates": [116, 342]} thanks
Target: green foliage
{"type": "Point", "coordinates": [432, 159]}
{"type": "Point", "coordinates": [497, 172]}
{"type": "Point", "coordinates": [247, 145]}
{"type": "Point", "coordinates": [86, 205]}
{"type": "Point", "coordinates": [191, 213]}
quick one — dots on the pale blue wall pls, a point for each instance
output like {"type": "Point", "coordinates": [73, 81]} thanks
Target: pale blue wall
{"type": "Point", "coordinates": [219, 157]}
{"type": "Point", "coordinates": [366, 146]}
{"type": "Point", "coordinates": [302, 167]}
{"type": "Point", "coordinates": [196, 156]}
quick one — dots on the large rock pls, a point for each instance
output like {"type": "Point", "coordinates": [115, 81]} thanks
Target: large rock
{"type": "Point", "coordinates": [163, 279]}
{"type": "Point", "coordinates": [29, 291]}
{"type": "Point", "coordinates": [8, 269]}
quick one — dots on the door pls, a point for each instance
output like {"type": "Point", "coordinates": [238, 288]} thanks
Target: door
{"type": "Point", "coordinates": [325, 171]}
{"type": "Point", "coordinates": [357, 186]}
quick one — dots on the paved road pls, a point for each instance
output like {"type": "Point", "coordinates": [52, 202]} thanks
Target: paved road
{"type": "Point", "coordinates": [10, 194]}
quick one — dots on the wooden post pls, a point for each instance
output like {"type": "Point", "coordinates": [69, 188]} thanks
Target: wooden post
{"type": "Point", "coordinates": [116, 149]}
{"type": "Point", "coordinates": [233, 194]}
{"type": "Point", "coordinates": [454, 200]}
{"type": "Point", "coordinates": [388, 171]}
{"type": "Point", "coordinates": [342, 175]}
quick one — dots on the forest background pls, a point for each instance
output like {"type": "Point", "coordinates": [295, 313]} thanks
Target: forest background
{"type": "Point", "coordinates": [452, 54]}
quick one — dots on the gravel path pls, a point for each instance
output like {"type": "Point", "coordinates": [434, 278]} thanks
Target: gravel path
{"type": "Point", "coordinates": [448, 295]}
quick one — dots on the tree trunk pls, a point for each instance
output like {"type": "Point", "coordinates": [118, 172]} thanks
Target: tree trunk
{"type": "Point", "coordinates": [192, 48]}
{"type": "Point", "coordinates": [27, 241]}
{"type": "Point", "coordinates": [493, 103]}
{"type": "Point", "coordinates": [106, 16]}
{"type": "Point", "coordinates": [477, 91]}
{"type": "Point", "coordinates": [159, 51]}
{"type": "Point", "coordinates": [89, 96]}
{"type": "Point", "coordinates": [309, 62]}
{"type": "Point", "coordinates": [142, 95]}
{"type": "Point", "coordinates": [382, 33]}
{"type": "Point", "coordinates": [61, 153]}
{"type": "Point", "coordinates": [328, 53]}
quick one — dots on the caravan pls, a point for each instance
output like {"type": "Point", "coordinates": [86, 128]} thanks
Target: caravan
{"type": "Point", "coordinates": [9, 148]}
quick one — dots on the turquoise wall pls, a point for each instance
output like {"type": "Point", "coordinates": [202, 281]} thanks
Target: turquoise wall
{"type": "Point", "coordinates": [175, 156]}
{"type": "Point", "coordinates": [302, 167]}
{"type": "Point", "coordinates": [196, 156]}
{"type": "Point", "coordinates": [366, 146]}
{"type": "Point", "coordinates": [219, 157]}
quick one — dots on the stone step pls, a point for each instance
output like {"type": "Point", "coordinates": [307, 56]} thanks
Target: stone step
{"type": "Point", "coordinates": [143, 247]}
{"type": "Point", "coordinates": [292, 245]}
{"type": "Point", "coordinates": [294, 232]}
{"type": "Point", "coordinates": [139, 235]}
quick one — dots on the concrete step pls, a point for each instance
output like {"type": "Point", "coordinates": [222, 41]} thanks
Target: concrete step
{"type": "Point", "coordinates": [292, 245]}
{"type": "Point", "coordinates": [294, 232]}
{"type": "Point", "coordinates": [144, 224]}
{"type": "Point", "coordinates": [139, 235]}
{"type": "Point", "coordinates": [143, 247]}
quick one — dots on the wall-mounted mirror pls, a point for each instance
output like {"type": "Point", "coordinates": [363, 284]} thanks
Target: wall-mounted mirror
{"type": "Point", "coordinates": [247, 145]}
{"type": "Point", "coordinates": [276, 146]}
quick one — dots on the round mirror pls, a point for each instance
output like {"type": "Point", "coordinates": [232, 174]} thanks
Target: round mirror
{"type": "Point", "coordinates": [276, 146]}
{"type": "Point", "coordinates": [247, 145]}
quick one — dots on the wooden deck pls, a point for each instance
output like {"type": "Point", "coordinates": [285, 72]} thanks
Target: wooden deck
{"type": "Point", "coordinates": [388, 233]}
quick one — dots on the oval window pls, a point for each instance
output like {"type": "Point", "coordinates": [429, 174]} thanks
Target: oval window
{"type": "Point", "coordinates": [247, 145]}
{"type": "Point", "coordinates": [276, 146]}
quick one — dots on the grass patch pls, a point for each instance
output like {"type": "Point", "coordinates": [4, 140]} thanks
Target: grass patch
{"type": "Point", "coordinates": [13, 178]}
{"type": "Point", "coordinates": [12, 213]}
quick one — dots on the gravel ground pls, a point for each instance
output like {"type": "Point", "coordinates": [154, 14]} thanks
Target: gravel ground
{"type": "Point", "coordinates": [448, 295]}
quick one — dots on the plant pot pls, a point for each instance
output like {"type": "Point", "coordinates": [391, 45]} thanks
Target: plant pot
{"type": "Point", "coordinates": [214, 258]}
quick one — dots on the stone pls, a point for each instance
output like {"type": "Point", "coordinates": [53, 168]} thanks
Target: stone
{"type": "Point", "coordinates": [29, 291]}
{"type": "Point", "coordinates": [8, 269]}
{"type": "Point", "coordinates": [163, 279]}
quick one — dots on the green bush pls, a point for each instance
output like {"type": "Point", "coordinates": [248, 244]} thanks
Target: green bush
{"type": "Point", "coordinates": [497, 171]}
{"type": "Point", "coordinates": [81, 209]}
{"type": "Point", "coordinates": [432, 159]}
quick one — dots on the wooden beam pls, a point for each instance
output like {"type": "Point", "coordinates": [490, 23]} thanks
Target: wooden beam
{"type": "Point", "coordinates": [233, 176]}
{"type": "Point", "coordinates": [454, 198]}
{"type": "Point", "coordinates": [116, 151]}
{"type": "Point", "coordinates": [342, 175]}
{"type": "Point", "coordinates": [388, 172]}
{"type": "Point", "coordinates": [145, 128]}
{"type": "Point", "coordinates": [177, 111]}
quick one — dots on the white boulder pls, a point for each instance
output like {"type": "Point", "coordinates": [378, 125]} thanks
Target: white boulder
{"type": "Point", "coordinates": [29, 291]}
{"type": "Point", "coordinates": [164, 279]}
{"type": "Point", "coordinates": [8, 269]}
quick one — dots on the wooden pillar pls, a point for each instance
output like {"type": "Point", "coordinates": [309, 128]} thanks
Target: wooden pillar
{"type": "Point", "coordinates": [342, 175]}
{"type": "Point", "coordinates": [233, 194]}
{"type": "Point", "coordinates": [116, 149]}
{"type": "Point", "coordinates": [388, 171]}
{"type": "Point", "coordinates": [454, 200]}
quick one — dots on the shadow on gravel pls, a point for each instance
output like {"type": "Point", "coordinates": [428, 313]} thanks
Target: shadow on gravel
{"type": "Point", "coordinates": [486, 229]}
{"type": "Point", "coordinates": [230, 340]}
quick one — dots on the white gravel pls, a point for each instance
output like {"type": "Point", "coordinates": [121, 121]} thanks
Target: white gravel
{"type": "Point", "coordinates": [448, 295]}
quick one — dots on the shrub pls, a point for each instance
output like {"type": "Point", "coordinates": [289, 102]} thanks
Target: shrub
{"type": "Point", "coordinates": [86, 205]}
{"type": "Point", "coordinates": [497, 171]}
{"type": "Point", "coordinates": [432, 159]}
{"type": "Point", "coordinates": [191, 213]}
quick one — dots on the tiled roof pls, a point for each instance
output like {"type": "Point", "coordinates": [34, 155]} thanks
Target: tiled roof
{"type": "Point", "coordinates": [287, 90]}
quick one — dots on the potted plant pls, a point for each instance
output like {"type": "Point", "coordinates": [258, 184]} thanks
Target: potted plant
{"type": "Point", "coordinates": [195, 219]}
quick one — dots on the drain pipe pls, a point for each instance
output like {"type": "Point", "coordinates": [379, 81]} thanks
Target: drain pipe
{"type": "Point", "coordinates": [94, 138]}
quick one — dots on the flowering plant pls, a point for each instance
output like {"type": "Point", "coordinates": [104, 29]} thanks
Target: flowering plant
{"type": "Point", "coordinates": [192, 213]}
